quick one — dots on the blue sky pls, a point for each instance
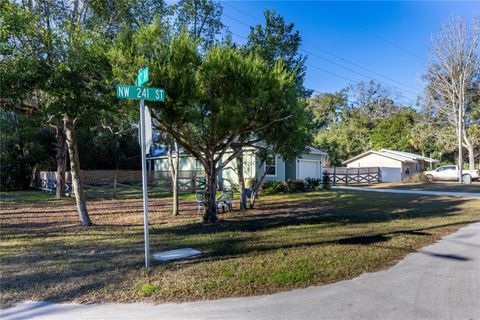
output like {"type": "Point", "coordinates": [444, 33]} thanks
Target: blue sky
{"type": "Point", "coordinates": [390, 39]}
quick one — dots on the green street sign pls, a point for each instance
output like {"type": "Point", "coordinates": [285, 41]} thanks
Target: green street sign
{"type": "Point", "coordinates": [142, 77]}
{"type": "Point", "coordinates": [140, 93]}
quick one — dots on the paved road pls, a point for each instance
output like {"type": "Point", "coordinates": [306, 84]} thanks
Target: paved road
{"type": "Point", "coordinates": [442, 281]}
{"type": "Point", "coordinates": [405, 191]}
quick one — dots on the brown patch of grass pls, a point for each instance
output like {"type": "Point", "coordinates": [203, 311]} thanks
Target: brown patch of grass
{"type": "Point", "coordinates": [289, 241]}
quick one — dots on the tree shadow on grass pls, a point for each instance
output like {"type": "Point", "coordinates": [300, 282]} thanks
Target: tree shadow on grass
{"type": "Point", "coordinates": [67, 276]}
{"type": "Point", "coordinates": [234, 236]}
{"type": "Point", "coordinates": [228, 249]}
{"type": "Point", "coordinates": [357, 210]}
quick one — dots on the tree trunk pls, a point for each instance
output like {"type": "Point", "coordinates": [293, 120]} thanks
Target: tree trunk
{"type": "Point", "coordinates": [460, 145]}
{"type": "Point", "coordinates": [470, 149]}
{"type": "Point", "coordinates": [471, 156]}
{"type": "Point", "coordinates": [61, 159]}
{"type": "Point", "coordinates": [259, 184]}
{"type": "Point", "coordinates": [75, 170]}
{"type": "Point", "coordinates": [241, 180]}
{"type": "Point", "coordinates": [210, 214]}
{"type": "Point", "coordinates": [174, 164]}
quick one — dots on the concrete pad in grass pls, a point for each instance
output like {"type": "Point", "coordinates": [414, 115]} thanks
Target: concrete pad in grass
{"type": "Point", "coordinates": [178, 254]}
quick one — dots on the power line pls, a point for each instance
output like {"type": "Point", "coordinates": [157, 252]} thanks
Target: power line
{"type": "Point", "coordinates": [244, 12]}
{"type": "Point", "coordinates": [360, 66]}
{"type": "Point", "coordinates": [326, 71]}
{"type": "Point", "coordinates": [330, 61]}
{"type": "Point", "coordinates": [353, 71]}
{"type": "Point", "coordinates": [327, 52]}
{"type": "Point", "coordinates": [394, 44]}
{"type": "Point", "coordinates": [332, 54]}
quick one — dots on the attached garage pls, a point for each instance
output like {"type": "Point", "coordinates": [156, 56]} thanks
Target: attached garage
{"type": "Point", "coordinates": [308, 169]}
{"type": "Point", "coordinates": [308, 165]}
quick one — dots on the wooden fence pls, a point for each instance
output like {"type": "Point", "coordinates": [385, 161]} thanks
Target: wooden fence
{"type": "Point", "coordinates": [122, 183]}
{"type": "Point", "coordinates": [348, 176]}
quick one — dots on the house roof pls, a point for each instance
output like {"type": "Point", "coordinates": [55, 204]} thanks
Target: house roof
{"type": "Point", "coordinates": [395, 155]}
{"type": "Point", "coordinates": [409, 155]}
{"type": "Point", "coordinates": [161, 152]}
{"type": "Point", "coordinates": [312, 150]}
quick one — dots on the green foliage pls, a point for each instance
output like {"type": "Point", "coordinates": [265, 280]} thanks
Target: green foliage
{"type": "Point", "coordinates": [277, 40]}
{"type": "Point", "coordinates": [64, 60]}
{"type": "Point", "coordinates": [24, 147]}
{"type": "Point", "coordinates": [147, 290]}
{"type": "Point", "coordinates": [394, 132]}
{"type": "Point", "coordinates": [202, 19]}
{"type": "Point", "coordinates": [423, 137]}
{"type": "Point", "coordinates": [326, 181]}
{"type": "Point", "coordinates": [102, 149]}
{"type": "Point", "coordinates": [345, 138]}
{"type": "Point", "coordinates": [303, 271]}
{"type": "Point", "coordinates": [372, 120]}
{"type": "Point", "coordinates": [216, 98]}
{"type": "Point", "coordinates": [290, 186]}
{"type": "Point", "coordinates": [417, 177]}
{"type": "Point", "coordinates": [327, 108]}
{"type": "Point", "coordinates": [294, 186]}
{"type": "Point", "coordinates": [274, 187]}
{"type": "Point", "coordinates": [313, 183]}
{"type": "Point", "coordinates": [235, 187]}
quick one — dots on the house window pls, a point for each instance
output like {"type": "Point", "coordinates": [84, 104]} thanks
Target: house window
{"type": "Point", "coordinates": [407, 170]}
{"type": "Point", "coordinates": [271, 166]}
{"type": "Point", "coordinates": [198, 165]}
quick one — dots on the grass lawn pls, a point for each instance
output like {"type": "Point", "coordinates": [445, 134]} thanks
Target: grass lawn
{"type": "Point", "coordinates": [449, 186]}
{"type": "Point", "coordinates": [31, 195]}
{"type": "Point", "coordinates": [130, 192]}
{"type": "Point", "coordinates": [289, 241]}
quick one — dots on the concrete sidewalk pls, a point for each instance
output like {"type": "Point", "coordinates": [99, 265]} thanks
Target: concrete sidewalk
{"type": "Point", "coordinates": [441, 281]}
{"type": "Point", "coordinates": [404, 191]}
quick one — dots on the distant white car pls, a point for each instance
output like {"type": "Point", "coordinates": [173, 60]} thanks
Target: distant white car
{"type": "Point", "coordinates": [451, 173]}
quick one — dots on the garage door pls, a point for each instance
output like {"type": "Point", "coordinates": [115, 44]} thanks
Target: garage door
{"type": "Point", "coordinates": [391, 174]}
{"type": "Point", "coordinates": [308, 169]}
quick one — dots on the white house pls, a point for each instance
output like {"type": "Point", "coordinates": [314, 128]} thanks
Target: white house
{"type": "Point", "coordinates": [307, 165]}
{"type": "Point", "coordinates": [395, 165]}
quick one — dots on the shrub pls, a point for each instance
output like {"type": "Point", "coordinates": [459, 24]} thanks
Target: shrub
{"type": "Point", "coordinates": [417, 177]}
{"type": "Point", "coordinates": [313, 183]}
{"type": "Point", "coordinates": [147, 289]}
{"type": "Point", "coordinates": [326, 181]}
{"type": "Point", "coordinates": [272, 187]}
{"type": "Point", "coordinates": [296, 186]}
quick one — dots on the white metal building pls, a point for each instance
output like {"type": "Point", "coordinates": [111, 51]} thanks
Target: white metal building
{"type": "Point", "coordinates": [395, 165]}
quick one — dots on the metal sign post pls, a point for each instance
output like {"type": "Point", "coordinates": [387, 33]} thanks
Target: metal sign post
{"type": "Point", "coordinates": [144, 185]}
{"type": "Point", "coordinates": [141, 93]}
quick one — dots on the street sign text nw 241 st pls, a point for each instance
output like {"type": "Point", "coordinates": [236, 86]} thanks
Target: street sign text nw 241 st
{"type": "Point", "coordinates": [139, 93]}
